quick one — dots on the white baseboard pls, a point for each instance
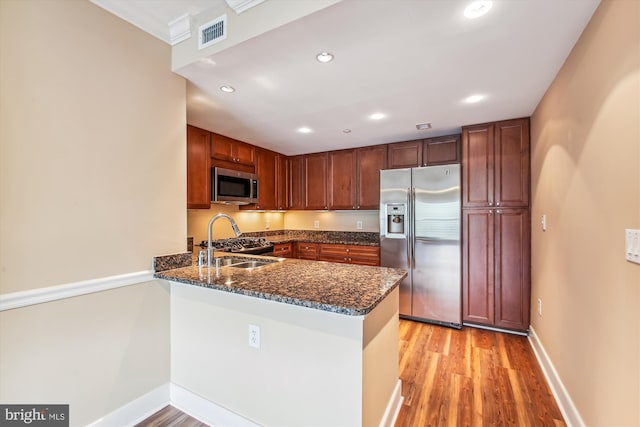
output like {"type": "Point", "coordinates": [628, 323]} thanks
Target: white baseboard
{"type": "Point", "coordinates": [393, 407]}
{"type": "Point", "coordinates": [569, 411]}
{"type": "Point", "coordinates": [206, 411]}
{"type": "Point", "coordinates": [178, 397]}
{"type": "Point", "coordinates": [137, 410]}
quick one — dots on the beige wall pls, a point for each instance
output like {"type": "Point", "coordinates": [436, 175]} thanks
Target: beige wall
{"type": "Point", "coordinates": [92, 184]}
{"type": "Point", "coordinates": [586, 179]}
{"type": "Point", "coordinates": [198, 219]}
{"type": "Point", "coordinates": [332, 221]}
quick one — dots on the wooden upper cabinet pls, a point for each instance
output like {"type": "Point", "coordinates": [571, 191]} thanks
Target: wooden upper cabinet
{"type": "Point", "coordinates": [295, 181]}
{"type": "Point", "coordinates": [342, 179]}
{"type": "Point", "coordinates": [282, 178]}
{"type": "Point", "coordinates": [443, 150]}
{"type": "Point", "coordinates": [511, 164]}
{"type": "Point", "coordinates": [495, 164]}
{"type": "Point", "coordinates": [369, 162]}
{"type": "Point", "coordinates": [316, 168]}
{"type": "Point", "coordinates": [477, 166]}
{"type": "Point", "coordinates": [405, 154]}
{"type": "Point", "coordinates": [232, 151]}
{"type": "Point", "coordinates": [266, 171]}
{"type": "Point", "coordinates": [198, 168]}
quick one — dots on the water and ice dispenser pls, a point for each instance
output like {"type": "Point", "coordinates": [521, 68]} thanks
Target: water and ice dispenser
{"type": "Point", "coordinates": [395, 224]}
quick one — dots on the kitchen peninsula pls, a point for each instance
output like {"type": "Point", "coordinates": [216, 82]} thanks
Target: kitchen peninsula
{"type": "Point", "coordinates": [326, 348]}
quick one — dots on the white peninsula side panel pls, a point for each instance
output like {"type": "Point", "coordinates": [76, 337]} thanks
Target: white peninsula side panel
{"type": "Point", "coordinates": [313, 367]}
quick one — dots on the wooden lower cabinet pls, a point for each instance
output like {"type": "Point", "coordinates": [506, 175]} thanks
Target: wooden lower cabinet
{"type": "Point", "coordinates": [307, 250]}
{"type": "Point", "coordinates": [496, 283]}
{"type": "Point", "coordinates": [351, 254]}
{"type": "Point", "coordinates": [284, 250]}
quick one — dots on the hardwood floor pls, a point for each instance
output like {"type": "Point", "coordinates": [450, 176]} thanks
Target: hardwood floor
{"type": "Point", "coordinates": [471, 377]}
{"type": "Point", "coordinates": [170, 417]}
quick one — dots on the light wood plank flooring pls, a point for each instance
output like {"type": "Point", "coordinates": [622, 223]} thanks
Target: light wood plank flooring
{"type": "Point", "coordinates": [470, 377]}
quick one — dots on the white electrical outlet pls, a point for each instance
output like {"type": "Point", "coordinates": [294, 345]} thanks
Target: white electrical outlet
{"type": "Point", "coordinates": [254, 336]}
{"type": "Point", "coordinates": [316, 223]}
{"type": "Point", "coordinates": [267, 224]}
{"type": "Point", "coordinates": [632, 245]}
{"type": "Point", "coordinates": [543, 222]}
{"type": "Point", "coordinates": [359, 225]}
{"type": "Point", "coordinates": [540, 307]}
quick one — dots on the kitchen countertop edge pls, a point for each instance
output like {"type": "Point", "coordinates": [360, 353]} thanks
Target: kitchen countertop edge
{"type": "Point", "coordinates": [191, 276]}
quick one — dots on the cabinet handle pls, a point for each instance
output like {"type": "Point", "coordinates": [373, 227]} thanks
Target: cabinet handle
{"type": "Point", "coordinates": [497, 203]}
{"type": "Point", "coordinates": [490, 212]}
{"type": "Point", "coordinates": [490, 203]}
{"type": "Point", "coordinates": [498, 211]}
{"type": "Point", "coordinates": [347, 250]}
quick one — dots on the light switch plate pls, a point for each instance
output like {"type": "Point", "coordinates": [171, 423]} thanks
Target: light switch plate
{"type": "Point", "coordinates": [316, 224]}
{"type": "Point", "coordinates": [632, 245]}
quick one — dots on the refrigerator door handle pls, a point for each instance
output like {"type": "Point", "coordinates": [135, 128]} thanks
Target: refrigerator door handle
{"type": "Point", "coordinates": [408, 228]}
{"type": "Point", "coordinates": [412, 226]}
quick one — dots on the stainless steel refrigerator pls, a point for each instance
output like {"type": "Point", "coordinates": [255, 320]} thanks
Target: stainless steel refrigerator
{"type": "Point", "coordinates": [420, 232]}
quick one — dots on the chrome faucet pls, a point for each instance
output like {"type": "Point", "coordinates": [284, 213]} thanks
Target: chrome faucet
{"type": "Point", "coordinates": [234, 226]}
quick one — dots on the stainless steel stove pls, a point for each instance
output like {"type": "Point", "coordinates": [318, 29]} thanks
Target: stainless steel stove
{"type": "Point", "coordinates": [243, 245]}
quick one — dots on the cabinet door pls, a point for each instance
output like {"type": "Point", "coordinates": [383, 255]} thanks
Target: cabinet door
{"type": "Point", "coordinates": [404, 154]}
{"type": "Point", "coordinates": [244, 153]}
{"type": "Point", "coordinates": [443, 150]}
{"type": "Point", "coordinates": [512, 272]}
{"type": "Point", "coordinates": [342, 180]}
{"type": "Point", "coordinates": [315, 181]}
{"type": "Point", "coordinates": [369, 162]}
{"type": "Point", "coordinates": [478, 266]}
{"type": "Point", "coordinates": [222, 148]}
{"type": "Point", "coordinates": [295, 167]}
{"type": "Point", "coordinates": [198, 168]}
{"type": "Point", "coordinates": [512, 163]}
{"type": "Point", "coordinates": [266, 171]}
{"type": "Point", "coordinates": [231, 150]}
{"type": "Point", "coordinates": [282, 178]}
{"type": "Point", "coordinates": [477, 166]}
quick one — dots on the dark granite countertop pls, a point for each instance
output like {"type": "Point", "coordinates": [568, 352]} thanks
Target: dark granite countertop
{"type": "Point", "coordinates": [340, 288]}
{"type": "Point", "coordinates": [316, 236]}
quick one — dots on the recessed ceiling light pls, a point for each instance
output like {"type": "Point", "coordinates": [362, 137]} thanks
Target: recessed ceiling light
{"type": "Point", "coordinates": [324, 57]}
{"type": "Point", "coordinates": [423, 126]}
{"type": "Point", "coordinates": [346, 130]}
{"type": "Point", "coordinates": [227, 89]}
{"type": "Point", "coordinates": [477, 8]}
{"type": "Point", "coordinates": [305, 129]}
{"type": "Point", "coordinates": [377, 116]}
{"type": "Point", "coordinates": [473, 99]}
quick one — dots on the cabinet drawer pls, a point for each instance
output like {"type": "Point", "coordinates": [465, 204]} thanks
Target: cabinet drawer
{"type": "Point", "coordinates": [283, 250]}
{"type": "Point", "coordinates": [352, 254]}
{"type": "Point", "coordinates": [307, 250]}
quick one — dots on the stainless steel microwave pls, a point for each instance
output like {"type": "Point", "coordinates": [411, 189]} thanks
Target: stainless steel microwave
{"type": "Point", "coordinates": [233, 187]}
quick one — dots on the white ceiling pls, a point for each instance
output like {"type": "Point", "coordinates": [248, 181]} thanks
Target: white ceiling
{"type": "Point", "coordinates": [413, 60]}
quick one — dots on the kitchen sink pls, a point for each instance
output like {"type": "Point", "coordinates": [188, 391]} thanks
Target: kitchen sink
{"type": "Point", "coordinates": [250, 264]}
{"type": "Point", "coordinates": [244, 262]}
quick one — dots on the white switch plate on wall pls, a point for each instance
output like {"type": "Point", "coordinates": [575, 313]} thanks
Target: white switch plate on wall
{"type": "Point", "coordinates": [632, 245]}
{"type": "Point", "coordinates": [316, 224]}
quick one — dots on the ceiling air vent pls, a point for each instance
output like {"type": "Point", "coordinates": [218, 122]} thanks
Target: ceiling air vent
{"type": "Point", "coordinates": [212, 32]}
